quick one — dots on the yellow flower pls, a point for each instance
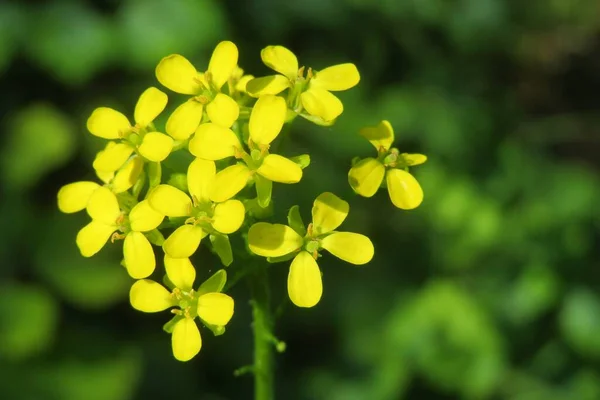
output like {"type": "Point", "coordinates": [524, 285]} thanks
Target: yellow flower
{"type": "Point", "coordinates": [214, 309]}
{"type": "Point", "coordinates": [281, 241]}
{"type": "Point", "coordinates": [110, 124]}
{"type": "Point", "coordinates": [312, 92]}
{"type": "Point", "coordinates": [366, 176]}
{"type": "Point", "coordinates": [212, 142]}
{"type": "Point", "coordinates": [206, 213]}
{"type": "Point", "coordinates": [178, 74]}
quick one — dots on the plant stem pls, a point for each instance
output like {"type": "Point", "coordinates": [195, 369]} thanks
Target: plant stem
{"type": "Point", "coordinates": [263, 346]}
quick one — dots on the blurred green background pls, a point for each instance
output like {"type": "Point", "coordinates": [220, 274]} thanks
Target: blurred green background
{"type": "Point", "coordinates": [489, 290]}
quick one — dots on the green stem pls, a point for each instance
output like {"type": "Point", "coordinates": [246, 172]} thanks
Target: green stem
{"type": "Point", "coordinates": [263, 346]}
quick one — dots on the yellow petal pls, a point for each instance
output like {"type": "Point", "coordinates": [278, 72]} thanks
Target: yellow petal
{"type": "Point", "coordinates": [404, 190]}
{"type": "Point", "coordinates": [328, 212]}
{"type": "Point", "coordinates": [156, 146]}
{"type": "Point", "coordinates": [178, 74]}
{"type": "Point", "coordinates": [200, 177]}
{"type": "Point", "coordinates": [229, 182]}
{"type": "Point", "coordinates": [366, 176]}
{"type": "Point", "coordinates": [112, 157]}
{"type": "Point", "coordinates": [139, 256]}
{"type": "Point", "coordinates": [214, 142]}
{"type": "Point", "coordinates": [280, 59]}
{"type": "Point", "coordinates": [223, 110]}
{"type": "Point", "coordinates": [267, 118]}
{"type": "Point", "coordinates": [107, 123]}
{"type": "Point", "coordinates": [185, 340]}
{"type": "Point", "coordinates": [149, 296]}
{"type": "Point", "coordinates": [280, 169]}
{"type": "Point", "coordinates": [127, 175]}
{"type": "Point", "coordinates": [144, 218]}
{"type": "Point", "coordinates": [380, 136]}
{"type": "Point", "coordinates": [184, 241]}
{"type": "Point", "coordinates": [92, 237]}
{"type": "Point", "coordinates": [337, 77]}
{"type": "Point", "coordinates": [222, 63]}
{"type": "Point", "coordinates": [150, 104]}
{"type": "Point", "coordinates": [413, 159]}
{"type": "Point", "coordinates": [321, 103]}
{"type": "Point", "coordinates": [103, 206]}
{"type": "Point", "coordinates": [272, 84]}
{"type": "Point", "coordinates": [273, 240]}
{"type": "Point", "coordinates": [184, 120]}
{"type": "Point", "coordinates": [105, 176]}
{"type": "Point", "coordinates": [170, 201]}
{"type": "Point", "coordinates": [351, 247]}
{"type": "Point", "coordinates": [305, 287]}
{"type": "Point", "coordinates": [180, 271]}
{"type": "Point", "coordinates": [215, 308]}
{"type": "Point", "coordinates": [75, 196]}
{"type": "Point", "coordinates": [228, 216]}
{"type": "Point", "coordinates": [240, 86]}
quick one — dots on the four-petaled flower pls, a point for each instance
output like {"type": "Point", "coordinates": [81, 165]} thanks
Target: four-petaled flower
{"type": "Point", "coordinates": [366, 176]}
{"type": "Point", "coordinates": [304, 280]}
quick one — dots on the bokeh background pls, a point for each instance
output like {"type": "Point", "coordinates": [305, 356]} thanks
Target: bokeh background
{"type": "Point", "coordinates": [490, 290]}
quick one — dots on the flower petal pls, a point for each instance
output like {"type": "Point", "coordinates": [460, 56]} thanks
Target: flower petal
{"type": "Point", "coordinates": [103, 206]}
{"type": "Point", "coordinates": [178, 74]}
{"type": "Point", "coordinates": [280, 59]}
{"type": "Point", "coordinates": [75, 196]}
{"type": "Point", "coordinates": [185, 340]}
{"type": "Point", "coordinates": [404, 190]}
{"type": "Point", "coordinates": [412, 159]}
{"type": "Point", "coordinates": [223, 110]}
{"type": "Point", "coordinates": [328, 212]}
{"type": "Point", "coordinates": [150, 104]}
{"type": "Point", "coordinates": [200, 177]}
{"type": "Point", "coordinates": [184, 241]}
{"type": "Point", "coordinates": [380, 136]}
{"type": "Point", "coordinates": [305, 287]}
{"type": "Point", "coordinates": [181, 272]}
{"type": "Point", "coordinates": [351, 247]}
{"type": "Point", "coordinates": [229, 182]}
{"type": "Point", "coordinates": [214, 142]}
{"type": "Point", "coordinates": [321, 103]}
{"type": "Point", "coordinates": [215, 308]}
{"type": "Point", "coordinates": [92, 237]}
{"type": "Point", "coordinates": [156, 146]}
{"type": "Point", "coordinates": [139, 256]}
{"type": "Point", "coordinates": [112, 157]}
{"type": "Point", "coordinates": [241, 84]}
{"type": "Point", "coordinates": [366, 176]}
{"type": "Point", "coordinates": [149, 296]}
{"type": "Point", "coordinates": [272, 84]}
{"type": "Point", "coordinates": [280, 169]}
{"type": "Point", "coordinates": [228, 216]}
{"type": "Point", "coordinates": [337, 77]}
{"type": "Point", "coordinates": [170, 201]}
{"type": "Point", "coordinates": [185, 120]}
{"type": "Point", "coordinates": [222, 63]}
{"type": "Point", "coordinates": [267, 118]}
{"type": "Point", "coordinates": [107, 123]}
{"type": "Point", "coordinates": [273, 240]}
{"type": "Point", "coordinates": [127, 175]}
{"type": "Point", "coordinates": [144, 218]}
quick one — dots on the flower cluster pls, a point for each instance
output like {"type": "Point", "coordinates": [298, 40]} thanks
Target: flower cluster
{"type": "Point", "coordinates": [225, 128]}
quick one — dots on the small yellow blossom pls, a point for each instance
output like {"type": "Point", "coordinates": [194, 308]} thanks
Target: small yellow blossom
{"type": "Point", "coordinates": [367, 175]}
{"type": "Point", "coordinates": [310, 92]}
{"type": "Point", "coordinates": [305, 286]}
{"type": "Point", "coordinates": [178, 74]}
{"type": "Point", "coordinates": [214, 309]}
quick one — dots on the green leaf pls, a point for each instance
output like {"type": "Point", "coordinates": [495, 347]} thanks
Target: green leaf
{"type": "Point", "coordinates": [302, 160]}
{"type": "Point", "coordinates": [154, 174]}
{"type": "Point", "coordinates": [168, 327]}
{"type": "Point", "coordinates": [264, 188]}
{"type": "Point", "coordinates": [221, 246]}
{"type": "Point", "coordinates": [295, 221]}
{"type": "Point", "coordinates": [214, 284]}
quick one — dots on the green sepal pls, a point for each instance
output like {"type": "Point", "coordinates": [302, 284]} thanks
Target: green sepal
{"type": "Point", "coordinates": [214, 284]}
{"type": "Point", "coordinates": [355, 161]}
{"type": "Point", "coordinates": [279, 259]}
{"type": "Point", "coordinates": [139, 185]}
{"type": "Point", "coordinates": [169, 326]}
{"type": "Point", "coordinates": [264, 189]}
{"type": "Point", "coordinates": [215, 329]}
{"type": "Point", "coordinates": [154, 174]}
{"type": "Point", "coordinates": [155, 237]}
{"type": "Point", "coordinates": [303, 160]}
{"type": "Point", "coordinates": [167, 282]}
{"type": "Point", "coordinates": [255, 210]}
{"type": "Point", "coordinates": [221, 246]}
{"type": "Point", "coordinates": [179, 181]}
{"type": "Point", "coordinates": [317, 120]}
{"type": "Point", "coordinates": [295, 221]}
